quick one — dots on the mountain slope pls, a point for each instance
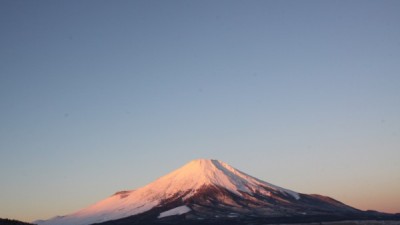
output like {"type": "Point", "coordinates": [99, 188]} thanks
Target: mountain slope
{"type": "Point", "coordinates": [204, 190]}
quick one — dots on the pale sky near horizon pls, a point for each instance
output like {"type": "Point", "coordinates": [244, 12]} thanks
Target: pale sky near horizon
{"type": "Point", "coordinates": [102, 96]}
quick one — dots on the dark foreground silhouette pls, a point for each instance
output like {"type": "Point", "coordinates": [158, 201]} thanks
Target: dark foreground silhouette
{"type": "Point", "coordinates": [12, 222]}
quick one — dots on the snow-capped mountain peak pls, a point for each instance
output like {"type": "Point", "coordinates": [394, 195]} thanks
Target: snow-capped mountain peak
{"type": "Point", "coordinates": [200, 172]}
{"type": "Point", "coordinates": [200, 187]}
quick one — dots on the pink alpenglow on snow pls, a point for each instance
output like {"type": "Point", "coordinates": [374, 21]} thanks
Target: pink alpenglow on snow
{"type": "Point", "coordinates": [200, 189]}
{"type": "Point", "coordinates": [187, 179]}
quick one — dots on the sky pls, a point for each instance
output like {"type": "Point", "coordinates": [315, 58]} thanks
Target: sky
{"type": "Point", "coordinates": [102, 96]}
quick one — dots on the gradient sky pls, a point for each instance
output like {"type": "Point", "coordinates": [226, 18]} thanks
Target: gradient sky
{"type": "Point", "coordinates": [102, 96]}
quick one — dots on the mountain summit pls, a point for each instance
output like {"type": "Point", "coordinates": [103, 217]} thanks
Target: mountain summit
{"type": "Point", "coordinates": [205, 172]}
{"type": "Point", "coordinates": [207, 192]}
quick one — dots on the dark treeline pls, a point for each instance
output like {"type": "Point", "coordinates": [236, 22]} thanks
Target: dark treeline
{"type": "Point", "coordinates": [12, 222]}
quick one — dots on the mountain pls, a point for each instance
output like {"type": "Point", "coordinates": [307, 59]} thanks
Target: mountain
{"type": "Point", "coordinates": [210, 192]}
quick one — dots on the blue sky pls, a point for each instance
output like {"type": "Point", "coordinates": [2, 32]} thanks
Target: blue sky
{"type": "Point", "coordinates": [100, 96]}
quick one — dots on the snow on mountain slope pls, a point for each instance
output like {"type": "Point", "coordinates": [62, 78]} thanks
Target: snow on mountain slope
{"type": "Point", "coordinates": [175, 211]}
{"type": "Point", "coordinates": [198, 173]}
{"type": "Point", "coordinates": [183, 182]}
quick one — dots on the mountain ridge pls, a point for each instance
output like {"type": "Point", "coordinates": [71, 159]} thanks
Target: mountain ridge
{"type": "Point", "coordinates": [206, 190]}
